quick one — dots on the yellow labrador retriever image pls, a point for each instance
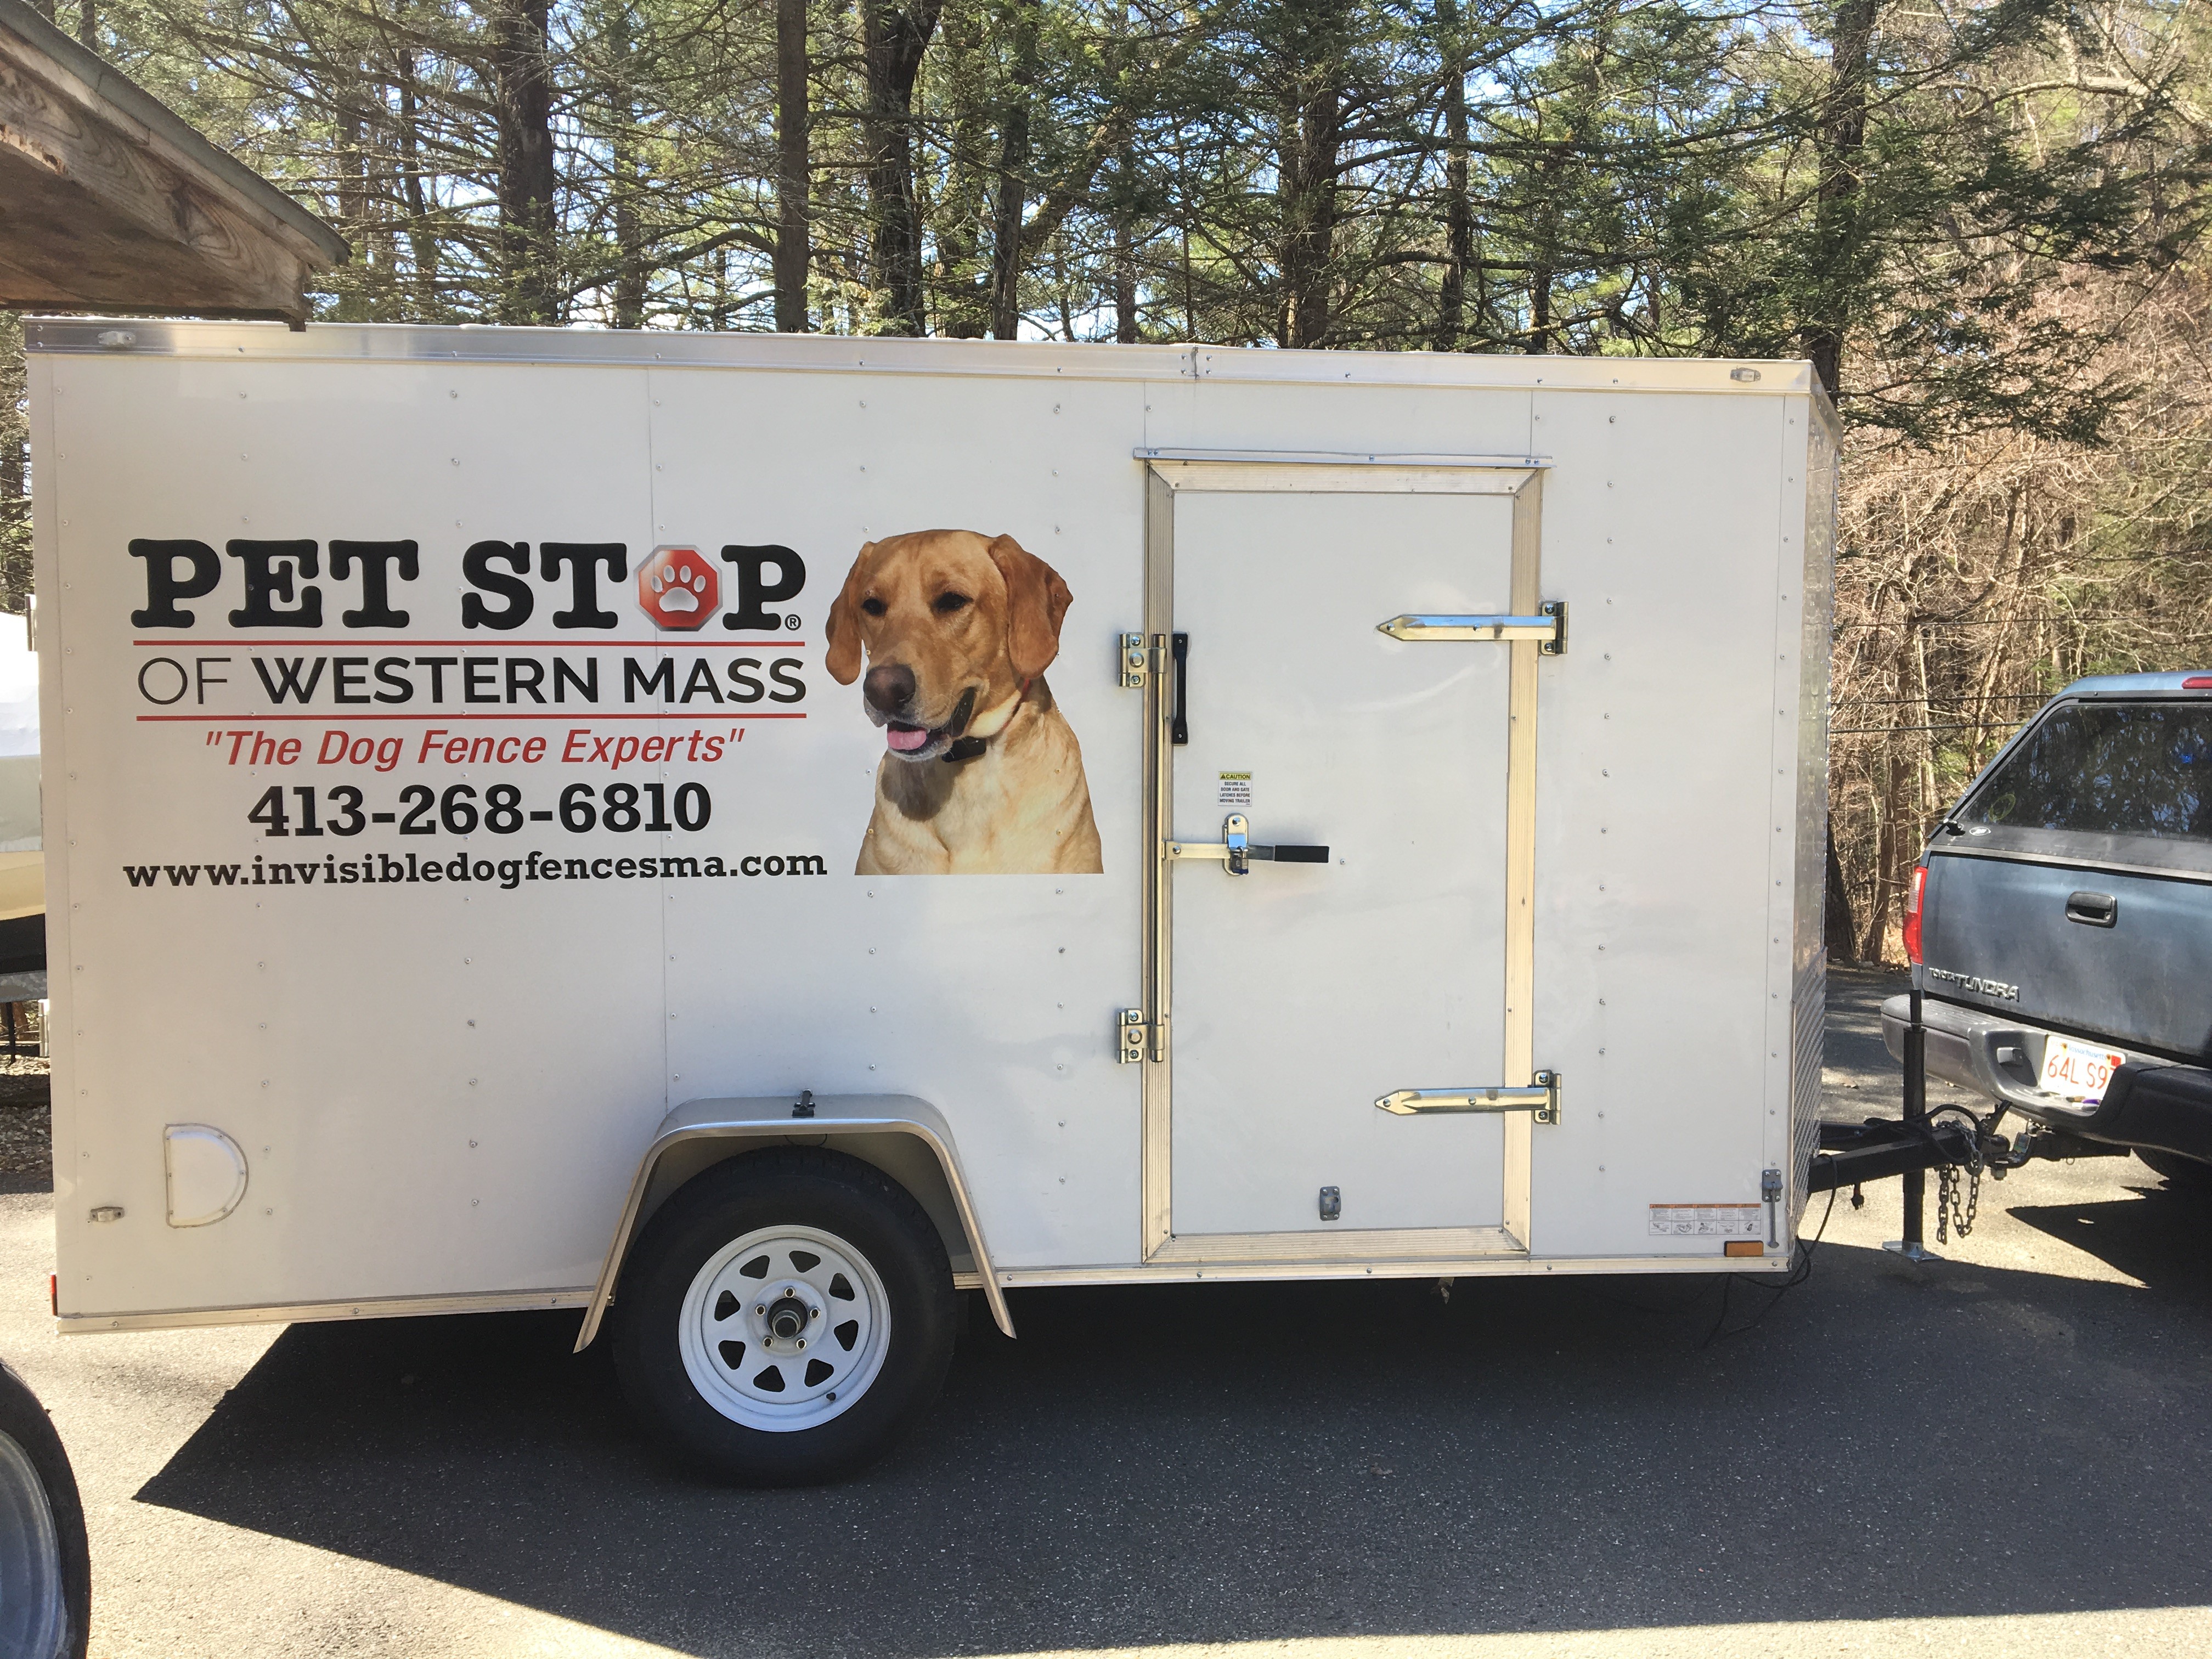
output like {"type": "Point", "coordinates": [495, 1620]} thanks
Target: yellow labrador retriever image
{"type": "Point", "coordinates": [981, 775]}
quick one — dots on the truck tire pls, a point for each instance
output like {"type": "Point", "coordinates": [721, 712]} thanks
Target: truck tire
{"type": "Point", "coordinates": [45, 1566]}
{"type": "Point", "coordinates": [786, 1317]}
{"type": "Point", "coordinates": [2187, 1175]}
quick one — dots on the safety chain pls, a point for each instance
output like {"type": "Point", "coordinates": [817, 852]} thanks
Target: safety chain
{"type": "Point", "coordinates": [1949, 1213]}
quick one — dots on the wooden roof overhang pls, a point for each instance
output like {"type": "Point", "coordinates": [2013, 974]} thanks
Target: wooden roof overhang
{"type": "Point", "coordinates": [110, 202]}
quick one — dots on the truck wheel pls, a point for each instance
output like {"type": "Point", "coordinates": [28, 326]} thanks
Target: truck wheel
{"type": "Point", "coordinates": [786, 1317]}
{"type": "Point", "coordinates": [2186, 1175]}
{"type": "Point", "coordinates": [45, 1566]}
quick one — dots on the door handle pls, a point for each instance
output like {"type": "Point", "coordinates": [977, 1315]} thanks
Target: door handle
{"type": "Point", "coordinates": [1178, 730]}
{"type": "Point", "coordinates": [1237, 849]}
{"type": "Point", "coordinates": [2095, 909]}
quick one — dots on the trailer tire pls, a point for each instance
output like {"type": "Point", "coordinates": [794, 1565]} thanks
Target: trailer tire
{"type": "Point", "coordinates": [45, 1566]}
{"type": "Point", "coordinates": [785, 1318]}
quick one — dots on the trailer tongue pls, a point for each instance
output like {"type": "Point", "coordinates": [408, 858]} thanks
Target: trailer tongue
{"type": "Point", "coordinates": [1956, 1143]}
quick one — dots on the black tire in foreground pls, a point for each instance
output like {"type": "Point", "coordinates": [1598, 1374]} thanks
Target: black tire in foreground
{"type": "Point", "coordinates": [46, 1564]}
{"type": "Point", "coordinates": [786, 1317]}
{"type": "Point", "coordinates": [2187, 1175]}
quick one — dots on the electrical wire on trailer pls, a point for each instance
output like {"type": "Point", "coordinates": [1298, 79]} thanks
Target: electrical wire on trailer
{"type": "Point", "coordinates": [1800, 1272]}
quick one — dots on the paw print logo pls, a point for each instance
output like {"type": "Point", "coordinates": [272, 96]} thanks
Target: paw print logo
{"type": "Point", "coordinates": [679, 588]}
{"type": "Point", "coordinates": [684, 585]}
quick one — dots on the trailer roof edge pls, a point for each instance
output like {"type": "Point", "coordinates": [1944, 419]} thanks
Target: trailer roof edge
{"type": "Point", "coordinates": [397, 343]}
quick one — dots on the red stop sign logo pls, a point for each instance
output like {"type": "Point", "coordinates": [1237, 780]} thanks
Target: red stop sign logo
{"type": "Point", "coordinates": [679, 588]}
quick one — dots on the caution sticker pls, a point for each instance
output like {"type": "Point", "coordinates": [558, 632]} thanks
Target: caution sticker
{"type": "Point", "coordinates": [1704, 1220]}
{"type": "Point", "coordinates": [1236, 790]}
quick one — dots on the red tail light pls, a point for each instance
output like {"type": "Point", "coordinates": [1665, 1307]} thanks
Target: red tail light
{"type": "Point", "coordinates": [1912, 914]}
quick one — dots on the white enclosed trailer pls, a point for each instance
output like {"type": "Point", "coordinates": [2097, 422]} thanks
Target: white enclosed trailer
{"type": "Point", "coordinates": [526, 818]}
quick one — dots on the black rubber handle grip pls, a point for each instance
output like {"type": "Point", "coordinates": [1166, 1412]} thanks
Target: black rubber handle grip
{"type": "Point", "coordinates": [1180, 647]}
{"type": "Point", "coordinates": [2097, 909]}
{"type": "Point", "coordinates": [1298, 855]}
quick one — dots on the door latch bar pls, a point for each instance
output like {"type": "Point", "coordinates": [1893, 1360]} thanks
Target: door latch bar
{"type": "Point", "coordinates": [1548, 627]}
{"type": "Point", "coordinates": [1238, 849]}
{"type": "Point", "coordinates": [1542, 1099]}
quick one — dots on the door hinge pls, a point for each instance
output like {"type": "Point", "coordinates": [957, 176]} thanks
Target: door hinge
{"type": "Point", "coordinates": [1134, 1034]}
{"type": "Point", "coordinates": [1134, 657]}
{"type": "Point", "coordinates": [1540, 1100]}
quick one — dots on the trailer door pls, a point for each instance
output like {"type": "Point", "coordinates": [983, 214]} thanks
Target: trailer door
{"type": "Point", "coordinates": [1292, 991]}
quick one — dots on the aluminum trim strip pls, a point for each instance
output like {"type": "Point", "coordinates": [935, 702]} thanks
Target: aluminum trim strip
{"type": "Point", "coordinates": [291, 1313]}
{"type": "Point", "coordinates": [1477, 1266]}
{"type": "Point", "coordinates": [682, 348]}
{"type": "Point", "coordinates": [1268, 476]}
{"type": "Point", "coordinates": [1361, 1246]}
{"type": "Point", "coordinates": [1326, 458]}
{"type": "Point", "coordinates": [1159, 807]}
{"type": "Point", "coordinates": [1526, 594]}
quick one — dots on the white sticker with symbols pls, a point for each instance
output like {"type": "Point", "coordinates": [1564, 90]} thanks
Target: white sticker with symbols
{"type": "Point", "coordinates": [1705, 1220]}
{"type": "Point", "coordinates": [1236, 791]}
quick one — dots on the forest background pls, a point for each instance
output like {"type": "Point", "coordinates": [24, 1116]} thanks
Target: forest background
{"type": "Point", "coordinates": [1981, 220]}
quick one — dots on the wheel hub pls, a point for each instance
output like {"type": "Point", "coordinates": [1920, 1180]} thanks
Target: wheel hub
{"type": "Point", "coordinates": [784, 1328]}
{"type": "Point", "coordinates": [788, 1318]}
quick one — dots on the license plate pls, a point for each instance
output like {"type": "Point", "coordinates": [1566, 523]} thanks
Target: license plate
{"type": "Point", "coordinates": [2074, 1071]}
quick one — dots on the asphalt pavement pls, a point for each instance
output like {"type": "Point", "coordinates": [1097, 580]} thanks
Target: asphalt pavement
{"type": "Point", "coordinates": [2007, 1449]}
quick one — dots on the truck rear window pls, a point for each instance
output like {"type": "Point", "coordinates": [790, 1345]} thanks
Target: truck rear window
{"type": "Point", "coordinates": [2107, 770]}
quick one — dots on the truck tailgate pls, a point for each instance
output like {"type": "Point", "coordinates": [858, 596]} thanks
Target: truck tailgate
{"type": "Point", "coordinates": [2028, 940]}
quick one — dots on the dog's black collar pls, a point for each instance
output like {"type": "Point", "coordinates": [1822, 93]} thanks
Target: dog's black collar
{"type": "Point", "coordinates": [966, 749]}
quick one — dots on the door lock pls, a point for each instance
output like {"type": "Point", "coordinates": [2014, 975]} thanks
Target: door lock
{"type": "Point", "coordinates": [1237, 849]}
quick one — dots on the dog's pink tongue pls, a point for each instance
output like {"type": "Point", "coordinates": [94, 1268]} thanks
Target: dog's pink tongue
{"type": "Point", "coordinates": [905, 740]}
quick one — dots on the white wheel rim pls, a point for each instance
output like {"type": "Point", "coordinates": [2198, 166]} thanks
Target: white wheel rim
{"type": "Point", "coordinates": [784, 1328]}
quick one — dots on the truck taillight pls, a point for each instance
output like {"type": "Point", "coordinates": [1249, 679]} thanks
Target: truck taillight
{"type": "Point", "coordinates": [1912, 914]}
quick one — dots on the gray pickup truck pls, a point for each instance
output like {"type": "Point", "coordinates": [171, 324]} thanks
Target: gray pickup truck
{"type": "Point", "coordinates": [2060, 923]}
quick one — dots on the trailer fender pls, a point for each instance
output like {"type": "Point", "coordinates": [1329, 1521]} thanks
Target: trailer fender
{"type": "Point", "coordinates": [904, 1136]}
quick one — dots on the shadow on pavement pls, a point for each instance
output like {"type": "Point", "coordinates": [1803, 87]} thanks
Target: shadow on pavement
{"type": "Point", "coordinates": [1212, 1463]}
{"type": "Point", "coordinates": [2162, 1236]}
